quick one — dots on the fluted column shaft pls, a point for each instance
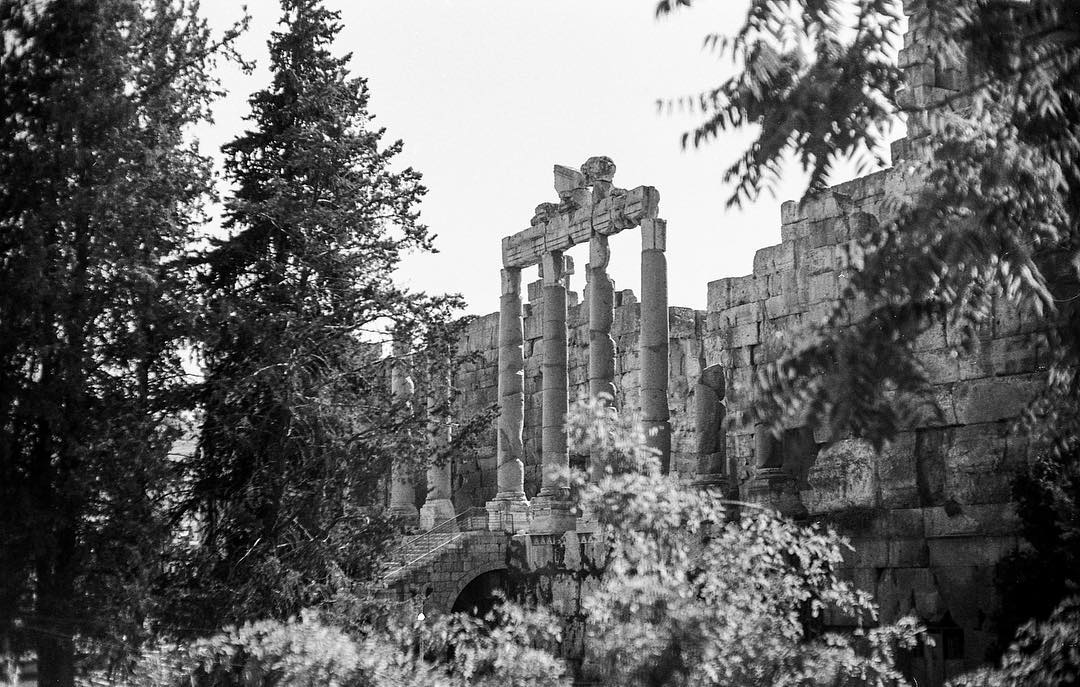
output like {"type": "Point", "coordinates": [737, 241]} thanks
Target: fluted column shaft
{"type": "Point", "coordinates": [654, 337]}
{"type": "Point", "coordinates": [510, 468]}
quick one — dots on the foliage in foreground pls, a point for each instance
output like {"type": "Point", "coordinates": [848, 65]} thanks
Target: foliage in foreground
{"type": "Point", "coordinates": [691, 594]}
{"type": "Point", "coordinates": [1044, 653]}
{"type": "Point", "coordinates": [695, 592]}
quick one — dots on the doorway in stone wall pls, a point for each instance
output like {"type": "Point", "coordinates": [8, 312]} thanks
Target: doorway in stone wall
{"type": "Point", "coordinates": [481, 595]}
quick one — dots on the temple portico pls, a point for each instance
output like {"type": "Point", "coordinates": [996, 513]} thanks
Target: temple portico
{"type": "Point", "coordinates": [589, 210]}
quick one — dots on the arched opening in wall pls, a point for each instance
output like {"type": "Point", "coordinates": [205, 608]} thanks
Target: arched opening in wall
{"type": "Point", "coordinates": [483, 593]}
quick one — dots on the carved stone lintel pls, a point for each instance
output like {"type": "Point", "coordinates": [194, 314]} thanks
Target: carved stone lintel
{"type": "Point", "coordinates": [558, 228]}
{"type": "Point", "coordinates": [544, 213]}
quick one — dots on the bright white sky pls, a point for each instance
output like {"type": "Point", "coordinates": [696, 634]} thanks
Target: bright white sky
{"type": "Point", "coordinates": [489, 94]}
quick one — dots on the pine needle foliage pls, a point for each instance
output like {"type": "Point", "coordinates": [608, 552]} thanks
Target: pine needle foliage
{"type": "Point", "coordinates": [101, 194]}
{"type": "Point", "coordinates": [299, 424]}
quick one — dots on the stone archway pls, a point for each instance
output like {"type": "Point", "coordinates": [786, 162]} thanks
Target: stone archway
{"type": "Point", "coordinates": [479, 594]}
{"type": "Point", "coordinates": [446, 575]}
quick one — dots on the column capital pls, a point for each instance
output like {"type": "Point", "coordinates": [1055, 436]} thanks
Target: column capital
{"type": "Point", "coordinates": [599, 253]}
{"type": "Point", "coordinates": [511, 281]}
{"type": "Point", "coordinates": [554, 267]}
{"type": "Point", "coordinates": [653, 234]}
{"type": "Point", "coordinates": [598, 168]}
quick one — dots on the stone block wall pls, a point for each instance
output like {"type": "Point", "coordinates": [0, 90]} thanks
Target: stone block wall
{"type": "Point", "coordinates": [929, 515]}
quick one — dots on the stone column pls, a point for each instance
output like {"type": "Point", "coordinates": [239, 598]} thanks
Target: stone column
{"type": "Point", "coordinates": [551, 507]}
{"type": "Point", "coordinates": [773, 486]}
{"type": "Point", "coordinates": [554, 382]}
{"type": "Point", "coordinates": [437, 506]}
{"type": "Point", "coordinates": [510, 474]}
{"type": "Point", "coordinates": [599, 171]}
{"type": "Point", "coordinates": [653, 339]}
{"type": "Point", "coordinates": [511, 469]}
{"type": "Point", "coordinates": [601, 315]}
{"type": "Point", "coordinates": [402, 489]}
{"type": "Point", "coordinates": [709, 413]}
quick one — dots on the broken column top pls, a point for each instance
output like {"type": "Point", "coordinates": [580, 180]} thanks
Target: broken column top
{"type": "Point", "coordinates": [579, 213]}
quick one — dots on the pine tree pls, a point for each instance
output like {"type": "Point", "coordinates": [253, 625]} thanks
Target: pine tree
{"type": "Point", "coordinates": [299, 425]}
{"type": "Point", "coordinates": [101, 195]}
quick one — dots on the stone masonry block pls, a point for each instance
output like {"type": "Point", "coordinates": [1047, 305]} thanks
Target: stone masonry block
{"type": "Point", "coordinates": [1010, 355]}
{"type": "Point", "coordinates": [740, 335]}
{"type": "Point", "coordinates": [942, 365]}
{"type": "Point", "coordinates": [789, 212]}
{"type": "Point", "coordinates": [778, 258]}
{"type": "Point", "coordinates": [871, 552]}
{"type": "Point", "coordinates": [743, 290]}
{"type": "Point", "coordinates": [991, 399]}
{"type": "Point", "coordinates": [970, 551]}
{"type": "Point", "coordinates": [908, 553]}
{"type": "Point", "coordinates": [992, 519]}
{"type": "Point", "coordinates": [822, 287]}
{"type": "Point", "coordinates": [820, 260]}
{"type": "Point", "coordinates": [896, 473]}
{"type": "Point", "coordinates": [747, 313]}
{"type": "Point", "coordinates": [718, 295]}
{"type": "Point", "coordinates": [842, 477]}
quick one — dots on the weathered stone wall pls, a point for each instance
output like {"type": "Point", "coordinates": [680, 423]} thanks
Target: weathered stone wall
{"type": "Point", "coordinates": [930, 515]}
{"type": "Point", "coordinates": [474, 476]}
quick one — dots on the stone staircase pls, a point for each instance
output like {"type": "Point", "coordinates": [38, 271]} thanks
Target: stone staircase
{"type": "Point", "coordinates": [441, 540]}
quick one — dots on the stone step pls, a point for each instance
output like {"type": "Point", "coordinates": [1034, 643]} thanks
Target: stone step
{"type": "Point", "coordinates": [419, 552]}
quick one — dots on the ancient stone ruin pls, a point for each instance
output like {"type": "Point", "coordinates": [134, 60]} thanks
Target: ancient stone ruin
{"type": "Point", "coordinates": [929, 516]}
